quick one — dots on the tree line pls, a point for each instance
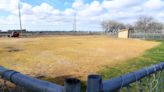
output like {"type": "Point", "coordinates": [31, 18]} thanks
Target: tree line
{"type": "Point", "coordinates": [144, 24]}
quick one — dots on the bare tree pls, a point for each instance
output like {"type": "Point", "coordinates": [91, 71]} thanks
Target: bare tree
{"type": "Point", "coordinates": [148, 24]}
{"type": "Point", "coordinates": [129, 26]}
{"type": "Point", "coordinates": [112, 26]}
{"type": "Point", "coordinates": [156, 27]}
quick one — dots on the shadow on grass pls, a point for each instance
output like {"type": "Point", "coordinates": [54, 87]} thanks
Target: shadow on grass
{"type": "Point", "coordinates": [60, 81]}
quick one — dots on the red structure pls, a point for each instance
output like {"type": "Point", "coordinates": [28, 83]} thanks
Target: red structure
{"type": "Point", "coordinates": [15, 34]}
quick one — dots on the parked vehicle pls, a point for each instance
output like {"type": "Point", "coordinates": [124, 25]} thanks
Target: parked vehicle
{"type": "Point", "coordinates": [14, 34]}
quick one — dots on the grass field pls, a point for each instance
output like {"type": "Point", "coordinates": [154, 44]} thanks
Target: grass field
{"type": "Point", "coordinates": [148, 58]}
{"type": "Point", "coordinates": [78, 56]}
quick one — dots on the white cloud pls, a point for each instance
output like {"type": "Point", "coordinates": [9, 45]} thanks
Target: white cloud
{"type": "Point", "coordinates": [94, 9]}
{"type": "Point", "coordinates": [69, 12]}
{"type": "Point", "coordinates": [77, 4]}
{"type": "Point", "coordinates": [88, 14]}
{"type": "Point", "coordinates": [154, 4]}
{"type": "Point", "coordinates": [43, 8]}
{"type": "Point", "coordinates": [9, 5]}
{"type": "Point", "coordinates": [117, 4]}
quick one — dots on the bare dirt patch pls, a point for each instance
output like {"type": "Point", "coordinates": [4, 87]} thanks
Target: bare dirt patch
{"type": "Point", "coordinates": [12, 49]}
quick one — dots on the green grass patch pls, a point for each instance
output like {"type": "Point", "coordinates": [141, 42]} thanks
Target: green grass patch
{"type": "Point", "coordinates": [150, 57]}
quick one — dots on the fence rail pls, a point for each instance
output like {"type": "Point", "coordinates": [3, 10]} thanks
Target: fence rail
{"type": "Point", "coordinates": [119, 82]}
{"type": "Point", "coordinates": [94, 83]}
{"type": "Point", "coordinates": [28, 83]}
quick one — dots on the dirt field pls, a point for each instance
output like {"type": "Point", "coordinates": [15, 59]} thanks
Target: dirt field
{"type": "Point", "coordinates": [67, 55]}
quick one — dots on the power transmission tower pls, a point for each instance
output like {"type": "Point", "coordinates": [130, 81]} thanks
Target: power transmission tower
{"type": "Point", "coordinates": [102, 24]}
{"type": "Point", "coordinates": [75, 22]}
{"type": "Point", "coordinates": [20, 19]}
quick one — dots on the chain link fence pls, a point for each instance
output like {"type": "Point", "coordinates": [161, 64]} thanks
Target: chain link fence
{"type": "Point", "coordinates": [150, 79]}
{"type": "Point", "coordinates": [147, 36]}
{"type": "Point", "coordinates": [151, 83]}
{"type": "Point", "coordinates": [6, 86]}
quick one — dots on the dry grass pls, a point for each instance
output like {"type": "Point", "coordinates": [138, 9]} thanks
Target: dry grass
{"type": "Point", "coordinates": [67, 55]}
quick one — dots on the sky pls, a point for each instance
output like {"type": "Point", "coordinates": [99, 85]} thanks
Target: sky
{"type": "Point", "coordinates": [59, 15]}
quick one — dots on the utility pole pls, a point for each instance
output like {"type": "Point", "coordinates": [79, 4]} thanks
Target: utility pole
{"type": "Point", "coordinates": [20, 19]}
{"type": "Point", "coordinates": [102, 25]}
{"type": "Point", "coordinates": [74, 23]}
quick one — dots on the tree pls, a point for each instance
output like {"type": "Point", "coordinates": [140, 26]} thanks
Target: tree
{"type": "Point", "coordinates": [112, 26]}
{"type": "Point", "coordinates": [148, 24]}
{"type": "Point", "coordinates": [129, 26]}
{"type": "Point", "coordinates": [156, 27]}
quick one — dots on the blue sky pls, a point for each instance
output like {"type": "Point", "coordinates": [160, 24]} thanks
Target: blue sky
{"type": "Point", "coordinates": [60, 4]}
{"type": "Point", "coordinates": [59, 14]}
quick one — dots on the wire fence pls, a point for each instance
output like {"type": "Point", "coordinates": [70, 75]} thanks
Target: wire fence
{"type": "Point", "coordinates": [150, 79]}
{"type": "Point", "coordinates": [140, 35]}
{"type": "Point", "coordinates": [151, 83]}
{"type": "Point", "coordinates": [6, 86]}
{"type": "Point", "coordinates": [147, 36]}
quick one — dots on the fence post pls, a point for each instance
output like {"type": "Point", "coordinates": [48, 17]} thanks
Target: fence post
{"type": "Point", "coordinates": [72, 85]}
{"type": "Point", "coordinates": [94, 83]}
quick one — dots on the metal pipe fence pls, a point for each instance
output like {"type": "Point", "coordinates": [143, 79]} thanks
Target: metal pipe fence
{"type": "Point", "coordinates": [28, 83]}
{"type": "Point", "coordinates": [149, 79]}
